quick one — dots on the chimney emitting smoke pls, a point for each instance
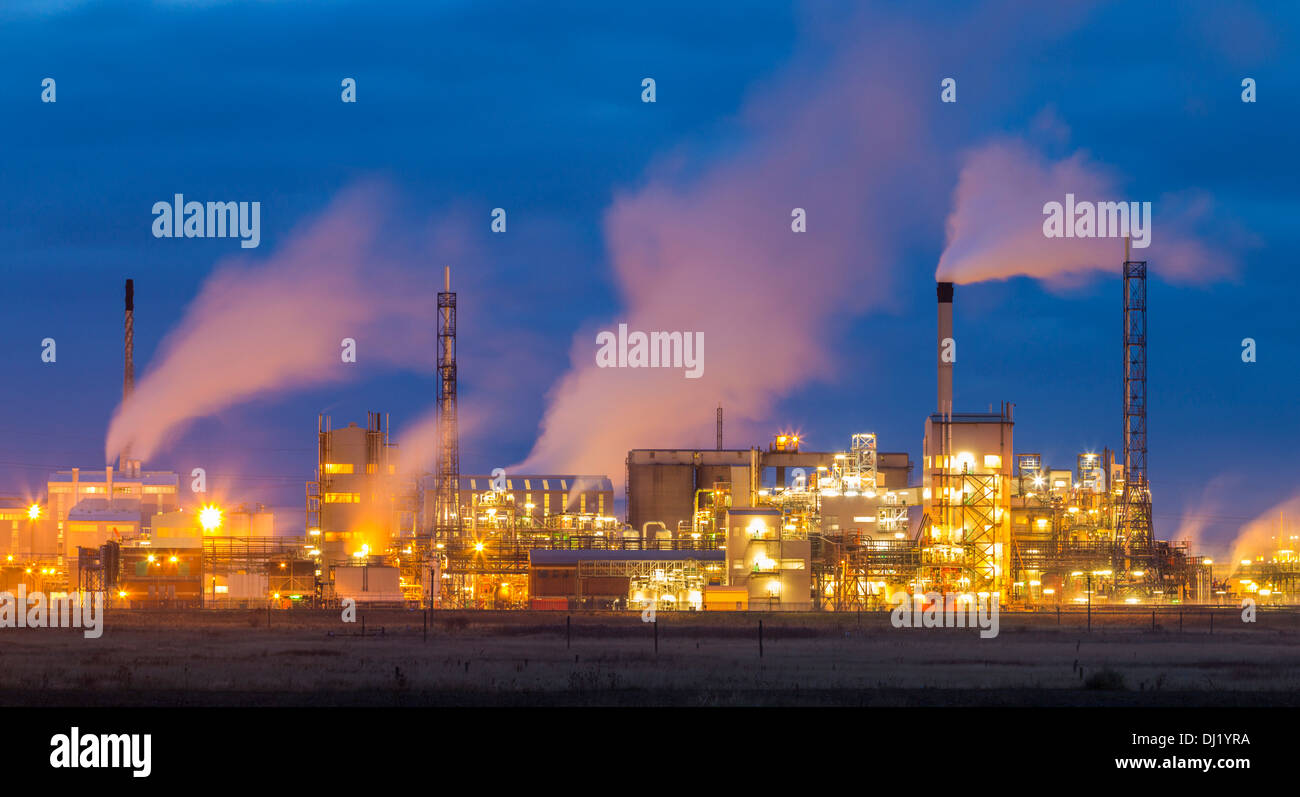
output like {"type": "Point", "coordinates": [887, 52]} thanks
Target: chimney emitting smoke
{"type": "Point", "coordinates": [128, 373]}
{"type": "Point", "coordinates": [124, 462]}
{"type": "Point", "coordinates": [945, 291]}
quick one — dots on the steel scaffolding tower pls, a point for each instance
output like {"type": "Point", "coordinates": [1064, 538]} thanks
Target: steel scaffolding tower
{"type": "Point", "coordinates": [864, 461]}
{"type": "Point", "coordinates": [446, 507]}
{"type": "Point", "coordinates": [1135, 509]}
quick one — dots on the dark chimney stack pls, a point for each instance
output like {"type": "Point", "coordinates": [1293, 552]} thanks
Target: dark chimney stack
{"type": "Point", "coordinates": [125, 464]}
{"type": "Point", "coordinates": [945, 291]}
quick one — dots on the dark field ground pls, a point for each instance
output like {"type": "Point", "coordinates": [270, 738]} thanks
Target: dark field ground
{"type": "Point", "coordinates": [310, 658]}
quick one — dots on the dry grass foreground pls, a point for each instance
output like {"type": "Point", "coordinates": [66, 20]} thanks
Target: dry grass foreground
{"type": "Point", "coordinates": [311, 658]}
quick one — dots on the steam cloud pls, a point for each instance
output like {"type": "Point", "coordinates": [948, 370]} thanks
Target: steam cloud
{"type": "Point", "coordinates": [715, 253]}
{"type": "Point", "coordinates": [995, 229]}
{"type": "Point", "coordinates": [1201, 514]}
{"type": "Point", "coordinates": [257, 329]}
{"type": "Point", "coordinates": [1259, 536]}
{"type": "Point", "coordinates": [418, 441]}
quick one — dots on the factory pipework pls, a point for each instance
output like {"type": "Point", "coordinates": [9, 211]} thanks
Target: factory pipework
{"type": "Point", "coordinates": [947, 348]}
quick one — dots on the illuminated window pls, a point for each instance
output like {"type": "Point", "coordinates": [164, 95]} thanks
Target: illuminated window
{"type": "Point", "coordinates": [992, 461]}
{"type": "Point", "coordinates": [337, 467]}
{"type": "Point", "coordinates": [342, 498]}
{"type": "Point", "coordinates": [372, 468]}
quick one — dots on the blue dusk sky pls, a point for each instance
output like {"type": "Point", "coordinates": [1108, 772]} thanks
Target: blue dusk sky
{"type": "Point", "coordinates": [670, 215]}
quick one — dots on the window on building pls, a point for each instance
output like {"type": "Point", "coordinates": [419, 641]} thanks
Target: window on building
{"type": "Point", "coordinates": [342, 498]}
{"type": "Point", "coordinates": [337, 467]}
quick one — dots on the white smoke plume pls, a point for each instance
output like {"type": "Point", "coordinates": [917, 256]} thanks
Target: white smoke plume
{"type": "Point", "coordinates": [259, 328]}
{"type": "Point", "coordinates": [1259, 537]}
{"type": "Point", "coordinates": [715, 253]}
{"type": "Point", "coordinates": [995, 230]}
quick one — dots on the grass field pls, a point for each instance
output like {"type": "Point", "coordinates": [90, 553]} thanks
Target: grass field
{"type": "Point", "coordinates": [309, 658]}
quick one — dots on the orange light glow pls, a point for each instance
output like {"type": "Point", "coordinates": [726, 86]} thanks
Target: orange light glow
{"type": "Point", "coordinates": [210, 518]}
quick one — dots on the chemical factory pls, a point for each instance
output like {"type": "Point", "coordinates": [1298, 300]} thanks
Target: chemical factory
{"type": "Point", "coordinates": [771, 527]}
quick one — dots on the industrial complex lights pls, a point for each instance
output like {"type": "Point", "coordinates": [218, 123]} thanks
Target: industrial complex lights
{"type": "Point", "coordinates": [210, 518]}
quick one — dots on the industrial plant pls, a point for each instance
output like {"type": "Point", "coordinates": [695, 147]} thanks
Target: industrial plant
{"type": "Point", "coordinates": [775, 527]}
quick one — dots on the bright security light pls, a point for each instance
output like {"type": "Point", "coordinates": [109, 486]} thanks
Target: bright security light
{"type": "Point", "coordinates": [210, 518]}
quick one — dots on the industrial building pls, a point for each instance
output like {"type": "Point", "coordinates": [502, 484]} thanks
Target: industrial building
{"type": "Point", "coordinates": [358, 502]}
{"type": "Point", "coordinates": [776, 528]}
{"type": "Point", "coordinates": [621, 579]}
{"type": "Point", "coordinates": [539, 495]}
{"type": "Point", "coordinates": [662, 483]}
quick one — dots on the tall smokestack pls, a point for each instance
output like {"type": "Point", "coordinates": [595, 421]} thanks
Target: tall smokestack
{"type": "Point", "coordinates": [128, 373]}
{"type": "Point", "coordinates": [947, 351]}
{"type": "Point", "coordinates": [124, 462]}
